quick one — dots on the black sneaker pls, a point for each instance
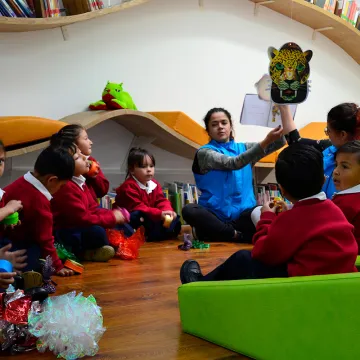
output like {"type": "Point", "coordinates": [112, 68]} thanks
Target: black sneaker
{"type": "Point", "coordinates": [190, 272]}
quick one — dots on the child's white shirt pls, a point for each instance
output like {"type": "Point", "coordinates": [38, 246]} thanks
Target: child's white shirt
{"type": "Point", "coordinates": [150, 185]}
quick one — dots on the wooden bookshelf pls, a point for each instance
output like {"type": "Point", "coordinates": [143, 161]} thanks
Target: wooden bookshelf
{"type": "Point", "coordinates": [8, 24]}
{"type": "Point", "coordinates": [343, 34]}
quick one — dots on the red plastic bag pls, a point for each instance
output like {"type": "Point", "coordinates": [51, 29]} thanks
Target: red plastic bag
{"type": "Point", "coordinates": [116, 237]}
{"type": "Point", "coordinates": [127, 248]}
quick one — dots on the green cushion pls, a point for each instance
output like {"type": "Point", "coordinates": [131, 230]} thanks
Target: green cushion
{"type": "Point", "coordinates": [312, 318]}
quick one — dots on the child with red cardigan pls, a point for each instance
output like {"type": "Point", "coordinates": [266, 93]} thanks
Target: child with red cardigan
{"type": "Point", "coordinates": [346, 178]}
{"type": "Point", "coordinates": [17, 258]}
{"type": "Point", "coordinates": [143, 197]}
{"type": "Point", "coordinates": [96, 182]}
{"type": "Point", "coordinates": [79, 223]}
{"type": "Point", "coordinates": [53, 168]}
{"type": "Point", "coordinates": [312, 238]}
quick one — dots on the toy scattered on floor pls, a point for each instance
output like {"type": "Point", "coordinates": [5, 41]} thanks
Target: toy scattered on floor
{"type": "Point", "coordinates": [114, 97]}
{"type": "Point", "coordinates": [69, 325]}
{"type": "Point", "coordinates": [194, 244]}
{"type": "Point", "coordinates": [73, 265]}
{"type": "Point", "coordinates": [289, 71]}
{"type": "Point", "coordinates": [11, 220]}
{"type": "Point", "coordinates": [167, 221]}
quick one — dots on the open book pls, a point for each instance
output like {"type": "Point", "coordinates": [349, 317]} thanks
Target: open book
{"type": "Point", "coordinates": [261, 113]}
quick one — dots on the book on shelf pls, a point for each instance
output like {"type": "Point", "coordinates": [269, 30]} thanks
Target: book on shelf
{"type": "Point", "coordinates": [267, 192]}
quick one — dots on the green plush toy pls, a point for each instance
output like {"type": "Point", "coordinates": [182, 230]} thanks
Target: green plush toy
{"type": "Point", "coordinates": [113, 97]}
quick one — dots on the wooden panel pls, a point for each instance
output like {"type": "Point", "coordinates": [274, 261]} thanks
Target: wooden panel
{"type": "Point", "coordinates": [140, 124]}
{"type": "Point", "coordinates": [343, 34]}
{"type": "Point", "coordinates": [140, 307]}
{"type": "Point", "coordinates": [33, 24]}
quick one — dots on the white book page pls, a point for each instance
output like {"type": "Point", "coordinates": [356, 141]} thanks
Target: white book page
{"type": "Point", "coordinates": [255, 111]}
{"type": "Point", "coordinates": [261, 113]}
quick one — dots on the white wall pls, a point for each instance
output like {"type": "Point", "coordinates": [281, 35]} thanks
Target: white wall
{"type": "Point", "coordinates": [170, 55]}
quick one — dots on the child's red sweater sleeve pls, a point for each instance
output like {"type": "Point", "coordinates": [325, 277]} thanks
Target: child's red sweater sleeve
{"type": "Point", "coordinates": [161, 202]}
{"type": "Point", "coordinates": [70, 210]}
{"type": "Point", "coordinates": [271, 241]}
{"type": "Point", "coordinates": [98, 184]}
{"type": "Point", "coordinates": [42, 220]}
{"type": "Point", "coordinates": [128, 195]}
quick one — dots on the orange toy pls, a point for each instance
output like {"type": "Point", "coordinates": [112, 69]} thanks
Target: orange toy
{"type": "Point", "coordinates": [94, 168]}
{"type": "Point", "coordinates": [75, 266]}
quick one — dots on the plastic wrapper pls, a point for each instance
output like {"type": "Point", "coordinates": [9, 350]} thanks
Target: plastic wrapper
{"type": "Point", "coordinates": [69, 325]}
{"type": "Point", "coordinates": [115, 237]}
{"type": "Point", "coordinates": [47, 272]}
{"type": "Point", "coordinates": [63, 253]}
{"type": "Point", "coordinates": [14, 334]}
{"type": "Point", "coordinates": [128, 248]}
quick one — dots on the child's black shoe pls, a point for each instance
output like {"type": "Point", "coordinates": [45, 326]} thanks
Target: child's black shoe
{"type": "Point", "coordinates": [190, 272]}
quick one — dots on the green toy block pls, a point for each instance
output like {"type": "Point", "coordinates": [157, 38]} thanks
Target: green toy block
{"type": "Point", "coordinates": [12, 219]}
{"type": "Point", "coordinates": [300, 318]}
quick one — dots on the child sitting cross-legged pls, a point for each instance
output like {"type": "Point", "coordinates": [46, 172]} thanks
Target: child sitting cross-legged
{"type": "Point", "coordinates": [53, 168]}
{"type": "Point", "coordinates": [346, 178]}
{"type": "Point", "coordinates": [79, 223]}
{"type": "Point", "coordinates": [312, 238]}
{"type": "Point", "coordinates": [143, 197]}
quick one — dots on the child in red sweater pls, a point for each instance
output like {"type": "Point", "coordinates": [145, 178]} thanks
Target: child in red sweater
{"type": "Point", "coordinates": [347, 182]}
{"type": "Point", "coordinates": [17, 258]}
{"type": "Point", "coordinates": [312, 238]}
{"type": "Point", "coordinates": [79, 222]}
{"type": "Point", "coordinates": [97, 183]}
{"type": "Point", "coordinates": [143, 197]}
{"type": "Point", "coordinates": [53, 168]}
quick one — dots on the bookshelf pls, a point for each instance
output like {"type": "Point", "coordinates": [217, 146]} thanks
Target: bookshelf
{"type": "Point", "coordinates": [342, 33]}
{"type": "Point", "coordinates": [8, 24]}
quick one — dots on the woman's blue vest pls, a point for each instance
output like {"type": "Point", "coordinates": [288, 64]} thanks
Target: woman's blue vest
{"type": "Point", "coordinates": [226, 193]}
{"type": "Point", "coordinates": [329, 167]}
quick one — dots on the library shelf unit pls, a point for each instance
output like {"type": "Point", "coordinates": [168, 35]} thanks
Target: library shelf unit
{"type": "Point", "coordinates": [333, 27]}
{"type": "Point", "coordinates": [8, 24]}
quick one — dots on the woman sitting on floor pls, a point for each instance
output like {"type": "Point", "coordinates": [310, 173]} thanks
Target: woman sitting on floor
{"type": "Point", "coordinates": [223, 174]}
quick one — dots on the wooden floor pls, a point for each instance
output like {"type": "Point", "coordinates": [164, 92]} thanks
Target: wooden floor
{"type": "Point", "coordinates": [140, 307]}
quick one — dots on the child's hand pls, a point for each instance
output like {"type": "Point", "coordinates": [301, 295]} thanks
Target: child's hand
{"type": "Point", "coordinates": [17, 258]}
{"type": "Point", "coordinates": [269, 206]}
{"type": "Point", "coordinates": [169, 213]}
{"type": "Point", "coordinates": [13, 206]}
{"type": "Point", "coordinates": [119, 216]}
{"type": "Point", "coordinates": [282, 206]}
{"type": "Point", "coordinates": [65, 272]}
{"type": "Point", "coordinates": [6, 279]}
{"type": "Point", "coordinates": [272, 136]}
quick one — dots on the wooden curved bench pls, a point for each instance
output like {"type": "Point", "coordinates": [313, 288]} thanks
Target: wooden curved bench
{"type": "Point", "coordinates": [140, 124]}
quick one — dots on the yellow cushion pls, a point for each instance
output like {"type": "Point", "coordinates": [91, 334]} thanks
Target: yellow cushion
{"type": "Point", "coordinates": [17, 130]}
{"type": "Point", "coordinates": [184, 125]}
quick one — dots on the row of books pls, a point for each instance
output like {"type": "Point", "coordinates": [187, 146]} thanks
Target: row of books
{"type": "Point", "coordinates": [268, 192]}
{"type": "Point", "coordinates": [17, 8]}
{"type": "Point", "coordinates": [349, 10]}
{"type": "Point", "coordinates": [48, 8]}
{"type": "Point", "coordinates": [180, 194]}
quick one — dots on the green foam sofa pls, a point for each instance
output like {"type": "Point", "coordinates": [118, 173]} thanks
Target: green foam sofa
{"type": "Point", "coordinates": [300, 318]}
